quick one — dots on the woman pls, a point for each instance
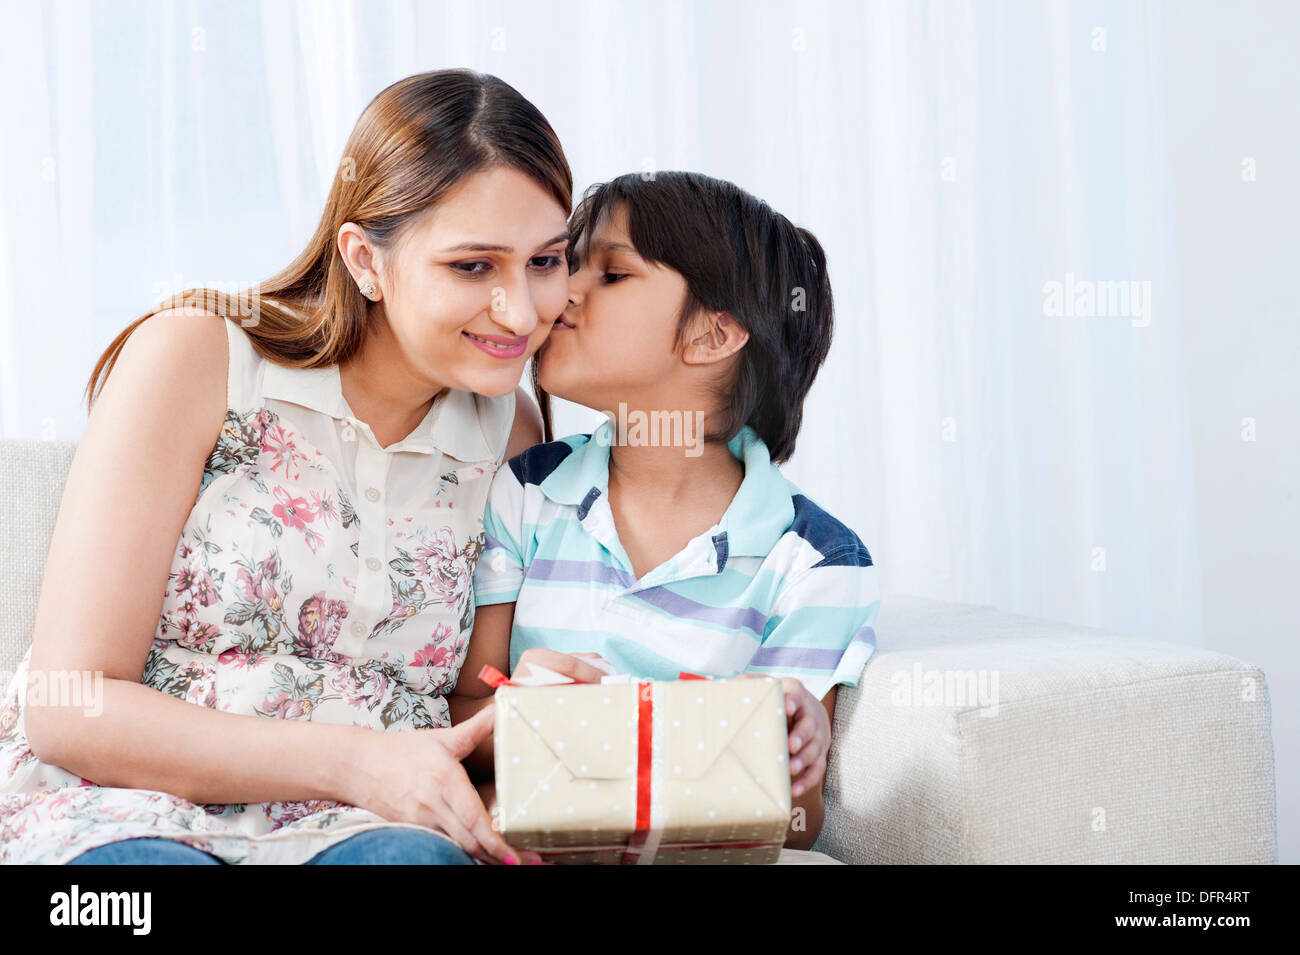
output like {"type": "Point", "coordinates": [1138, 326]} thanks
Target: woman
{"type": "Point", "coordinates": [341, 433]}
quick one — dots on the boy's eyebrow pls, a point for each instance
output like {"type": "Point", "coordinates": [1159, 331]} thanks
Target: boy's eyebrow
{"type": "Point", "coordinates": [608, 246]}
{"type": "Point", "coordinates": [485, 247]}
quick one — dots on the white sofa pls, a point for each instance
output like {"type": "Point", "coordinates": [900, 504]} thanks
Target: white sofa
{"type": "Point", "coordinates": [1096, 747]}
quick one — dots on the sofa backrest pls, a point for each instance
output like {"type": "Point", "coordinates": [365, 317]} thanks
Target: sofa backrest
{"type": "Point", "coordinates": [32, 475]}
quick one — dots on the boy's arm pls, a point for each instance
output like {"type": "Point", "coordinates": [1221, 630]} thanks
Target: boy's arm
{"type": "Point", "coordinates": [823, 636]}
{"type": "Point", "coordinates": [489, 645]}
{"type": "Point", "coordinates": [498, 576]}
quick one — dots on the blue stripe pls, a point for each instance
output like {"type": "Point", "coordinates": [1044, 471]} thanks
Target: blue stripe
{"type": "Point", "coordinates": [536, 464]}
{"type": "Point", "coordinates": [804, 658]}
{"type": "Point", "coordinates": [810, 658]}
{"type": "Point", "coordinates": [585, 507]}
{"type": "Point", "coordinates": [720, 547]}
{"type": "Point", "coordinates": [838, 545]}
{"type": "Point", "coordinates": [675, 605]}
{"type": "Point", "coordinates": [579, 571]}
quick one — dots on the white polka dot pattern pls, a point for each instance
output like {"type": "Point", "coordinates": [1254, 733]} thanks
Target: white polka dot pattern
{"type": "Point", "coordinates": [566, 770]}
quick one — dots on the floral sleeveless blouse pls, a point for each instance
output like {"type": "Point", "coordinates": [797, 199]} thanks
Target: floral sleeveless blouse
{"type": "Point", "coordinates": [318, 577]}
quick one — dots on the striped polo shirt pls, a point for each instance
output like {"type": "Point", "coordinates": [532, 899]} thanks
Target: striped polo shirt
{"type": "Point", "coordinates": [778, 586]}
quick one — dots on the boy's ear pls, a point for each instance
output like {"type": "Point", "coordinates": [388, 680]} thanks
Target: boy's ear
{"type": "Point", "coordinates": [716, 335]}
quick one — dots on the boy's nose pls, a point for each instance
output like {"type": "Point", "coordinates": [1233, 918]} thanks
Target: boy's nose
{"type": "Point", "coordinates": [576, 289]}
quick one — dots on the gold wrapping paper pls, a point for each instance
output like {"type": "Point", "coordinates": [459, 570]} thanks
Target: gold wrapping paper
{"type": "Point", "coordinates": [567, 761]}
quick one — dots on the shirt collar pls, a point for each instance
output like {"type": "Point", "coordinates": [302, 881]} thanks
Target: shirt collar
{"type": "Point", "coordinates": [454, 424]}
{"type": "Point", "coordinates": [760, 513]}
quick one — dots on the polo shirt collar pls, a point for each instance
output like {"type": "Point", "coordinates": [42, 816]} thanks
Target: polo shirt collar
{"type": "Point", "coordinates": [757, 517]}
{"type": "Point", "coordinates": [452, 425]}
{"type": "Point", "coordinates": [762, 509]}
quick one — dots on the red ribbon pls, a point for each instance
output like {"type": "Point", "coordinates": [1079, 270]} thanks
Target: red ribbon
{"type": "Point", "coordinates": [644, 751]}
{"type": "Point", "coordinates": [675, 847]}
{"type": "Point", "coordinates": [493, 677]}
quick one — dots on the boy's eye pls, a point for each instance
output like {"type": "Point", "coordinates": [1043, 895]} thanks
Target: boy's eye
{"type": "Point", "coordinates": [612, 277]}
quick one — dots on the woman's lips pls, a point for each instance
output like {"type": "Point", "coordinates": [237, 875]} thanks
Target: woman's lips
{"type": "Point", "coordinates": [498, 346]}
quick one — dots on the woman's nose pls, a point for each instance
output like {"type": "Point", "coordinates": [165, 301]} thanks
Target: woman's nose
{"type": "Point", "coordinates": [513, 308]}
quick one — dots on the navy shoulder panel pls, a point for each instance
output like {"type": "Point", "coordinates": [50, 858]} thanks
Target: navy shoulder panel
{"type": "Point", "coordinates": [838, 545]}
{"type": "Point", "coordinates": [535, 465]}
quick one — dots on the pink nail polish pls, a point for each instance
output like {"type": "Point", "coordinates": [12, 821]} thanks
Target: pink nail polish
{"type": "Point", "coordinates": [511, 860]}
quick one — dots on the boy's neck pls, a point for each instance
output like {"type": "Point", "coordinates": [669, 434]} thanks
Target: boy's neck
{"type": "Point", "coordinates": [668, 475]}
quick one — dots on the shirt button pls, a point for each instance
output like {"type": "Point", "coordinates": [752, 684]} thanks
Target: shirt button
{"type": "Point", "coordinates": [372, 563]}
{"type": "Point", "coordinates": [372, 493]}
{"type": "Point", "coordinates": [357, 629]}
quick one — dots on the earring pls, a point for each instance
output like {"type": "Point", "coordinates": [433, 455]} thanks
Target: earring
{"type": "Point", "coordinates": [369, 290]}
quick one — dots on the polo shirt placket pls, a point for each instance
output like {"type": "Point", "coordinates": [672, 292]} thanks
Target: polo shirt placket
{"type": "Point", "coordinates": [372, 573]}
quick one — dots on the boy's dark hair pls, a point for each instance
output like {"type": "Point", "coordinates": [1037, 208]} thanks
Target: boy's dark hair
{"type": "Point", "coordinates": [737, 255]}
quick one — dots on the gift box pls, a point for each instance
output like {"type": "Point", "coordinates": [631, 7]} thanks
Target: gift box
{"type": "Point", "coordinates": [644, 772]}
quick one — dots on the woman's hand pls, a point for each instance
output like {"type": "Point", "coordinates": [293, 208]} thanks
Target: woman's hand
{"type": "Point", "coordinates": [416, 776]}
{"type": "Point", "coordinates": [576, 666]}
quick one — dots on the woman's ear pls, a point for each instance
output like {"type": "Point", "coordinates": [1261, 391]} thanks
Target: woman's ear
{"type": "Point", "coordinates": [714, 336]}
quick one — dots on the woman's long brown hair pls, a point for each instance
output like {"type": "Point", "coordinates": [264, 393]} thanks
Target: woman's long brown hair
{"type": "Point", "coordinates": [414, 142]}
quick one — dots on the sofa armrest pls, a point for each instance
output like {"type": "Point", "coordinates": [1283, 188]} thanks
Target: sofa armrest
{"type": "Point", "coordinates": [977, 736]}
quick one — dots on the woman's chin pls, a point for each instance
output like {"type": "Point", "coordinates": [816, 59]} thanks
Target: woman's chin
{"type": "Point", "coordinates": [495, 385]}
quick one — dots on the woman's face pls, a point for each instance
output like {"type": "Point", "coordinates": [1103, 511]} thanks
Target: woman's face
{"type": "Point", "coordinates": [615, 341]}
{"type": "Point", "coordinates": [475, 288]}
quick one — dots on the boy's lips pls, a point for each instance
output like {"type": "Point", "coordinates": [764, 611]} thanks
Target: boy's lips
{"type": "Point", "coordinates": [562, 322]}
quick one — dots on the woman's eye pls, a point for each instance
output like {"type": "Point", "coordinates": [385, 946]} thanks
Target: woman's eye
{"type": "Point", "coordinates": [548, 262]}
{"type": "Point", "coordinates": [471, 268]}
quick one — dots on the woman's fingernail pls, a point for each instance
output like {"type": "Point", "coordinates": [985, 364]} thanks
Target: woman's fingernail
{"type": "Point", "coordinates": [796, 744]}
{"type": "Point", "coordinates": [511, 860]}
{"type": "Point", "coordinates": [536, 862]}
{"type": "Point", "coordinates": [795, 766]}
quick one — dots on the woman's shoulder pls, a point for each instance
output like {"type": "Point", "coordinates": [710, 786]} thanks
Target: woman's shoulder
{"type": "Point", "coordinates": [185, 326]}
{"type": "Point", "coordinates": [209, 344]}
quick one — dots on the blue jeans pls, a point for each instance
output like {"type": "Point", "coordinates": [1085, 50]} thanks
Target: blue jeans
{"type": "Point", "coordinates": [372, 847]}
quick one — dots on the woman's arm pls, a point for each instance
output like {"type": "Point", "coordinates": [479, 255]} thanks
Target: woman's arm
{"type": "Point", "coordinates": [130, 489]}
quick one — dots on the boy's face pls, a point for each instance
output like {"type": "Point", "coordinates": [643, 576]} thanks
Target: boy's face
{"type": "Point", "coordinates": [615, 341]}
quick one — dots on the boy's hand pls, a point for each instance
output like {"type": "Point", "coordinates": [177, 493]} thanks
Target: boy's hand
{"type": "Point", "coordinates": [809, 731]}
{"type": "Point", "coordinates": [572, 665]}
{"type": "Point", "coordinates": [810, 736]}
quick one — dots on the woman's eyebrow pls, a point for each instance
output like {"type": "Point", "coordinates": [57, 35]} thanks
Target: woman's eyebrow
{"type": "Point", "coordinates": [486, 247]}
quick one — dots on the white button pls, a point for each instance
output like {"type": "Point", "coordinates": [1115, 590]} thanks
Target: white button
{"type": "Point", "coordinates": [373, 563]}
{"type": "Point", "coordinates": [372, 493]}
{"type": "Point", "coordinates": [358, 629]}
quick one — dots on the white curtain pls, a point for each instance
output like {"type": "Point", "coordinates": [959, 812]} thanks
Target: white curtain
{"type": "Point", "coordinates": [954, 159]}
